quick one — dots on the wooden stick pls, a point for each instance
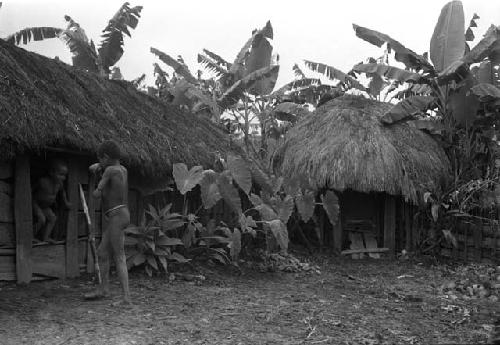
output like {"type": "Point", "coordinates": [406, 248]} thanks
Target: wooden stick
{"type": "Point", "coordinates": [91, 235]}
{"type": "Point", "coordinates": [364, 250]}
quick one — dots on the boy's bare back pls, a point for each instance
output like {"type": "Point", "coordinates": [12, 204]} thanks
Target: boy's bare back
{"type": "Point", "coordinates": [114, 186]}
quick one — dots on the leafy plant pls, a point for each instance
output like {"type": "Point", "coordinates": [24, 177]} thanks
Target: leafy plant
{"type": "Point", "coordinates": [152, 245]}
{"type": "Point", "coordinates": [85, 54]}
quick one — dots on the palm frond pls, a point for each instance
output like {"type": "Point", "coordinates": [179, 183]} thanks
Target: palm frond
{"type": "Point", "coordinates": [179, 68]}
{"type": "Point", "coordinates": [35, 34]}
{"type": "Point", "coordinates": [333, 73]}
{"type": "Point", "coordinates": [211, 65]}
{"type": "Point", "coordinates": [298, 72]}
{"type": "Point", "coordinates": [111, 49]}
{"type": "Point", "coordinates": [83, 50]}
{"type": "Point", "coordinates": [217, 58]}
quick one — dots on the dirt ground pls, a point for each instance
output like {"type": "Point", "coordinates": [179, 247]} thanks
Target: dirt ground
{"type": "Point", "coordinates": [349, 302]}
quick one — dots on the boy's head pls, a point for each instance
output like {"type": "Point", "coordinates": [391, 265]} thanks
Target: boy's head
{"type": "Point", "coordinates": [58, 170]}
{"type": "Point", "coordinates": [108, 151]}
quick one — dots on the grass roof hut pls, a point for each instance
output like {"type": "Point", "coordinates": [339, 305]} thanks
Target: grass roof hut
{"type": "Point", "coordinates": [343, 146]}
{"type": "Point", "coordinates": [49, 109]}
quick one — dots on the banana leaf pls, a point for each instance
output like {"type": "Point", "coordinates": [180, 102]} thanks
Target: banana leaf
{"type": "Point", "coordinates": [408, 108]}
{"type": "Point", "coordinates": [389, 72]}
{"type": "Point", "coordinates": [178, 67]}
{"type": "Point", "coordinates": [234, 93]}
{"type": "Point", "coordinates": [289, 111]}
{"type": "Point", "coordinates": [486, 92]}
{"type": "Point", "coordinates": [477, 54]}
{"type": "Point", "coordinates": [260, 57]}
{"type": "Point", "coordinates": [402, 54]}
{"type": "Point", "coordinates": [334, 74]}
{"type": "Point", "coordinates": [35, 34]}
{"type": "Point", "coordinates": [217, 58]}
{"type": "Point", "coordinates": [211, 65]}
{"type": "Point", "coordinates": [448, 40]}
{"type": "Point", "coordinates": [83, 51]}
{"type": "Point", "coordinates": [298, 72]}
{"type": "Point", "coordinates": [296, 84]}
{"type": "Point", "coordinates": [111, 49]}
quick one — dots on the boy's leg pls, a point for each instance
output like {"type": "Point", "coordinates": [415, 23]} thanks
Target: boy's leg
{"type": "Point", "coordinates": [38, 220]}
{"type": "Point", "coordinates": [49, 224]}
{"type": "Point", "coordinates": [117, 224]}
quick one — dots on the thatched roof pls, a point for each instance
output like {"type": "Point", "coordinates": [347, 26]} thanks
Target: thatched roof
{"type": "Point", "coordinates": [47, 103]}
{"type": "Point", "coordinates": [343, 145]}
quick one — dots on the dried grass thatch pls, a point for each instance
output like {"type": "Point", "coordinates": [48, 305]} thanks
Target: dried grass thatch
{"type": "Point", "coordinates": [46, 103]}
{"type": "Point", "coordinates": [343, 145]}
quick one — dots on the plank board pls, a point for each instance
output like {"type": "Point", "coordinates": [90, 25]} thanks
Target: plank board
{"type": "Point", "coordinates": [49, 260]}
{"type": "Point", "coordinates": [5, 170]}
{"type": "Point", "coordinates": [371, 243]}
{"type": "Point", "coordinates": [356, 243]}
{"type": "Point", "coordinates": [23, 215]}
{"type": "Point", "coordinates": [7, 234]}
{"type": "Point", "coordinates": [8, 267]}
{"type": "Point", "coordinates": [390, 224]}
{"type": "Point", "coordinates": [72, 268]}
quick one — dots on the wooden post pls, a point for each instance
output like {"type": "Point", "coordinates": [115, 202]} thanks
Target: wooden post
{"type": "Point", "coordinates": [91, 205]}
{"type": "Point", "coordinates": [407, 221]}
{"type": "Point", "coordinates": [72, 267]}
{"type": "Point", "coordinates": [23, 215]}
{"type": "Point", "coordinates": [337, 236]}
{"type": "Point", "coordinates": [390, 224]}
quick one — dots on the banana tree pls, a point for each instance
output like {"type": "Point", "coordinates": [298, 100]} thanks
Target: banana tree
{"type": "Point", "coordinates": [85, 54]}
{"type": "Point", "coordinates": [443, 86]}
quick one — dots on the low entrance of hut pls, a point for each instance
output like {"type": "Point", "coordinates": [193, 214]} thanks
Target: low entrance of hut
{"type": "Point", "coordinates": [361, 222]}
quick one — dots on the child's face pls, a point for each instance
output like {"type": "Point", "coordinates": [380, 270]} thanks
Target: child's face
{"type": "Point", "coordinates": [104, 160]}
{"type": "Point", "coordinates": [60, 172]}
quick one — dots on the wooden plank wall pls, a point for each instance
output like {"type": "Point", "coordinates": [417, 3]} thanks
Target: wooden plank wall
{"type": "Point", "coordinates": [23, 219]}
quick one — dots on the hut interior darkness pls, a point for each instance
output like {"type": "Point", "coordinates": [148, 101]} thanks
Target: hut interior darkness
{"type": "Point", "coordinates": [377, 171]}
{"type": "Point", "coordinates": [51, 110]}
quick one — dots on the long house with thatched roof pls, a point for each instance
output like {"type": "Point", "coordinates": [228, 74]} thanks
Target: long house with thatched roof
{"type": "Point", "coordinates": [51, 110]}
{"type": "Point", "coordinates": [378, 171]}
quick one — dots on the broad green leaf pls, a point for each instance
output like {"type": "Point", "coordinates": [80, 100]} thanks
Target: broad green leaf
{"type": "Point", "coordinates": [388, 72]}
{"type": "Point", "coordinates": [266, 212]}
{"type": "Point", "coordinates": [402, 54]}
{"type": "Point", "coordinates": [247, 223]}
{"type": "Point", "coordinates": [221, 258]}
{"type": "Point", "coordinates": [83, 50]}
{"type": "Point", "coordinates": [152, 262]}
{"type": "Point", "coordinates": [229, 193]}
{"type": "Point", "coordinates": [333, 73]}
{"type": "Point", "coordinates": [135, 230]}
{"type": "Point", "coordinates": [111, 49]}
{"type": "Point", "coordinates": [435, 212]}
{"type": "Point", "coordinates": [260, 57]}
{"type": "Point", "coordinates": [35, 34]}
{"type": "Point", "coordinates": [241, 172]}
{"type": "Point", "coordinates": [139, 259]}
{"type": "Point", "coordinates": [169, 241]}
{"type": "Point", "coordinates": [255, 199]}
{"type": "Point", "coordinates": [464, 104]}
{"type": "Point", "coordinates": [408, 108]}
{"type": "Point", "coordinates": [189, 236]}
{"type": "Point", "coordinates": [285, 208]}
{"type": "Point", "coordinates": [280, 233]}
{"type": "Point", "coordinates": [130, 241]}
{"type": "Point", "coordinates": [178, 67]}
{"type": "Point", "coordinates": [485, 73]}
{"type": "Point", "coordinates": [305, 204]}
{"type": "Point", "coordinates": [290, 111]}
{"type": "Point", "coordinates": [217, 58]}
{"type": "Point", "coordinates": [234, 93]}
{"type": "Point", "coordinates": [212, 66]}
{"type": "Point", "coordinates": [178, 257]}
{"type": "Point", "coordinates": [148, 270]}
{"type": "Point", "coordinates": [235, 244]}
{"type": "Point", "coordinates": [486, 92]}
{"type": "Point", "coordinates": [448, 40]}
{"type": "Point", "coordinates": [477, 54]}
{"type": "Point", "coordinates": [209, 190]}
{"type": "Point", "coordinates": [331, 206]}
{"type": "Point", "coordinates": [171, 223]}
{"type": "Point", "coordinates": [163, 262]}
{"type": "Point", "coordinates": [186, 180]}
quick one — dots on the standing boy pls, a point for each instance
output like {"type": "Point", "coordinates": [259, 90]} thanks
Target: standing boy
{"type": "Point", "coordinates": [113, 191]}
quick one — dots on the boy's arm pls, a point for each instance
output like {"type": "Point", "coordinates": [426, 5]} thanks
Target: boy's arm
{"type": "Point", "coordinates": [106, 177]}
{"type": "Point", "coordinates": [64, 198]}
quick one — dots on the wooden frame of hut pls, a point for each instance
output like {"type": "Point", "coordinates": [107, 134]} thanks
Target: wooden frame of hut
{"type": "Point", "coordinates": [378, 171]}
{"type": "Point", "coordinates": [51, 110]}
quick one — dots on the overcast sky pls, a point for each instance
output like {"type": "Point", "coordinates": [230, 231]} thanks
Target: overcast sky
{"type": "Point", "coordinates": [317, 30]}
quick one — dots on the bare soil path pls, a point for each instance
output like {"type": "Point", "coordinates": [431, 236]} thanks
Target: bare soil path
{"type": "Point", "coordinates": [349, 302]}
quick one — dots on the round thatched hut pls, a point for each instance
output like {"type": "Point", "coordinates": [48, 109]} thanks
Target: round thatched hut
{"type": "Point", "coordinates": [377, 170]}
